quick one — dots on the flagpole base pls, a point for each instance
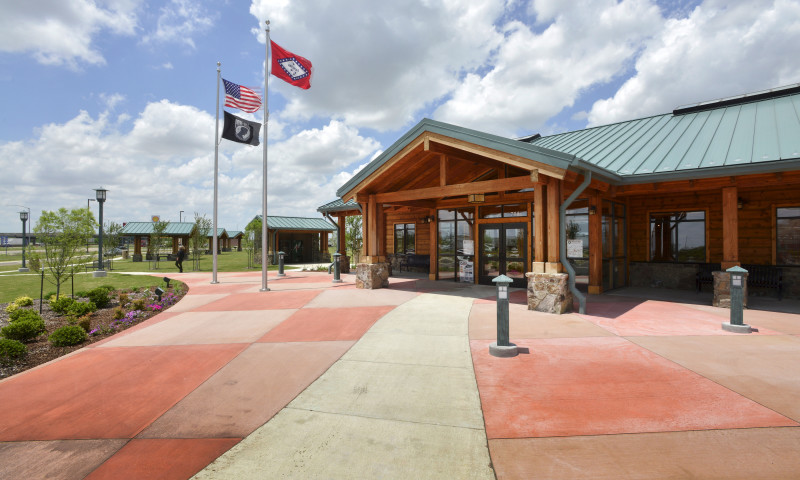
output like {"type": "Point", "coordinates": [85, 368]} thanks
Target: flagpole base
{"type": "Point", "coordinates": [214, 282]}
{"type": "Point", "coordinates": [264, 290]}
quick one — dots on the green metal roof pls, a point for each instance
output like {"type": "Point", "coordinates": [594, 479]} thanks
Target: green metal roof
{"type": "Point", "coordinates": [298, 223]}
{"type": "Point", "coordinates": [506, 145]}
{"type": "Point", "coordinates": [235, 233]}
{"type": "Point", "coordinates": [710, 139]}
{"type": "Point", "coordinates": [220, 232]}
{"type": "Point", "coordinates": [174, 229]}
{"type": "Point", "coordinates": [339, 206]}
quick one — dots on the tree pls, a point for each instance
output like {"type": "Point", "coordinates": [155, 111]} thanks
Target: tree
{"type": "Point", "coordinates": [353, 236]}
{"type": "Point", "coordinates": [156, 242]}
{"type": "Point", "coordinates": [63, 234]}
{"type": "Point", "coordinates": [252, 241]}
{"type": "Point", "coordinates": [199, 240]}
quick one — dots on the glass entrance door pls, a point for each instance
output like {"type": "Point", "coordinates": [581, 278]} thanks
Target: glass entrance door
{"type": "Point", "coordinates": [503, 250]}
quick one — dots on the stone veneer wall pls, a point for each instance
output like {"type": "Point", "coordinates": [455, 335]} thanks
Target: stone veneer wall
{"type": "Point", "coordinates": [663, 275]}
{"type": "Point", "coordinates": [549, 292]}
{"type": "Point", "coordinates": [344, 264]}
{"type": "Point", "coordinates": [722, 290]}
{"type": "Point", "coordinates": [372, 275]}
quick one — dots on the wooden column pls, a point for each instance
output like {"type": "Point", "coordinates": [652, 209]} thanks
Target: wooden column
{"type": "Point", "coordinates": [596, 244]}
{"type": "Point", "coordinates": [372, 228]}
{"type": "Point", "coordinates": [174, 245]}
{"type": "Point", "coordinates": [730, 228]}
{"type": "Point", "coordinates": [434, 248]}
{"type": "Point", "coordinates": [539, 228]}
{"type": "Point", "coordinates": [137, 245]}
{"type": "Point", "coordinates": [554, 233]}
{"type": "Point", "coordinates": [323, 244]}
{"type": "Point", "coordinates": [364, 236]}
{"type": "Point", "coordinates": [342, 235]}
{"type": "Point", "coordinates": [380, 231]}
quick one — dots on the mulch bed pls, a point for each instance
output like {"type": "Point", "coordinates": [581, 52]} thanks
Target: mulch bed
{"type": "Point", "coordinates": [42, 351]}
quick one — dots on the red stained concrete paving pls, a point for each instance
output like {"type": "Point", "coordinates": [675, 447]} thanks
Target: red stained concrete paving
{"type": "Point", "coordinates": [636, 388]}
{"type": "Point", "coordinates": [167, 397]}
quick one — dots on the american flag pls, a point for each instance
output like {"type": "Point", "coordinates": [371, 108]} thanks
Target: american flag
{"type": "Point", "coordinates": [243, 98]}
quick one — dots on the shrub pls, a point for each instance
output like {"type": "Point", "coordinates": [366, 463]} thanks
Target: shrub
{"type": "Point", "coordinates": [12, 307]}
{"type": "Point", "coordinates": [119, 312]}
{"type": "Point", "coordinates": [11, 349]}
{"type": "Point", "coordinates": [82, 293]}
{"type": "Point", "coordinates": [138, 304]}
{"type": "Point", "coordinates": [85, 323]}
{"type": "Point", "coordinates": [108, 288]}
{"type": "Point", "coordinates": [123, 299]}
{"type": "Point", "coordinates": [23, 330]}
{"type": "Point", "coordinates": [62, 305]}
{"type": "Point", "coordinates": [24, 301]}
{"type": "Point", "coordinates": [100, 297]}
{"type": "Point", "coordinates": [80, 309]}
{"type": "Point", "coordinates": [68, 335]}
{"type": "Point", "coordinates": [24, 314]}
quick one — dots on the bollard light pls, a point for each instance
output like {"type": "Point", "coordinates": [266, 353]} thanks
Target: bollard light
{"type": "Point", "coordinates": [503, 347]}
{"type": "Point", "coordinates": [280, 264]}
{"type": "Point", "coordinates": [159, 292]}
{"type": "Point", "coordinates": [167, 279]}
{"type": "Point", "coordinates": [336, 277]}
{"type": "Point", "coordinates": [737, 324]}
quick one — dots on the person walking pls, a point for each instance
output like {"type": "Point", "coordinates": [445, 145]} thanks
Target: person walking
{"type": "Point", "coordinates": [180, 257]}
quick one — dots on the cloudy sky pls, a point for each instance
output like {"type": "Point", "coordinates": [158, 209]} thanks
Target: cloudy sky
{"type": "Point", "coordinates": [122, 93]}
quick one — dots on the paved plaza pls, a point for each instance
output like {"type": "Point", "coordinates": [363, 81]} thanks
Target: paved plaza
{"type": "Point", "coordinates": [321, 380]}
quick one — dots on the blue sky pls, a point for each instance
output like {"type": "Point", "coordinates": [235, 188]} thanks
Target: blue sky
{"type": "Point", "coordinates": [122, 93]}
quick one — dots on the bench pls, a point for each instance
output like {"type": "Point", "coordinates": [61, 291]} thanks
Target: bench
{"type": "Point", "coordinates": [416, 261]}
{"type": "Point", "coordinates": [705, 274]}
{"type": "Point", "coordinates": [94, 265]}
{"type": "Point", "coordinates": [765, 276]}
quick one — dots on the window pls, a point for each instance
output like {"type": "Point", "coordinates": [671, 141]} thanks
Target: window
{"type": "Point", "coordinates": [788, 236]}
{"type": "Point", "coordinates": [456, 245]}
{"type": "Point", "coordinates": [404, 238]}
{"type": "Point", "coordinates": [503, 211]}
{"type": "Point", "coordinates": [678, 237]}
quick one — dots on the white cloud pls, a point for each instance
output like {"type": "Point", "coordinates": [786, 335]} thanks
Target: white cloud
{"type": "Point", "coordinates": [721, 49]}
{"type": "Point", "coordinates": [533, 76]}
{"type": "Point", "coordinates": [178, 22]}
{"type": "Point", "coordinates": [61, 32]}
{"type": "Point", "coordinates": [382, 62]}
{"type": "Point", "coordinates": [164, 163]}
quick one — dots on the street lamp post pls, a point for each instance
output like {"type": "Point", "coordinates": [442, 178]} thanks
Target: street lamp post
{"type": "Point", "coordinates": [101, 198]}
{"type": "Point", "coordinates": [24, 217]}
{"type": "Point", "coordinates": [87, 208]}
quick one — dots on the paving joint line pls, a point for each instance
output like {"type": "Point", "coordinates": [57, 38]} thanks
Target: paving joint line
{"type": "Point", "coordinates": [370, 417]}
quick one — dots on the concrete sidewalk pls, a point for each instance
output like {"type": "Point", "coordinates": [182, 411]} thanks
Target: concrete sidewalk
{"type": "Point", "coordinates": [322, 380]}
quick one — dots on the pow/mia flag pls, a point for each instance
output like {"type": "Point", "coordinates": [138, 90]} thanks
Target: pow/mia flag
{"type": "Point", "coordinates": [240, 130]}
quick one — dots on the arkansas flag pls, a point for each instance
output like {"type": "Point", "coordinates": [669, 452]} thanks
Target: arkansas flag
{"type": "Point", "coordinates": [291, 68]}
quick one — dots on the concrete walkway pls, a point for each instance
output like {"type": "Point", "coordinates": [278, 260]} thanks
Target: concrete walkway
{"type": "Point", "coordinates": [322, 380]}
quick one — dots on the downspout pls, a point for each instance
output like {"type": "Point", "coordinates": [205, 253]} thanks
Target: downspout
{"type": "Point", "coordinates": [562, 250]}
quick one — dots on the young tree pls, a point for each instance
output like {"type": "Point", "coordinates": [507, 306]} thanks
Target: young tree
{"type": "Point", "coordinates": [252, 240]}
{"type": "Point", "coordinates": [156, 242]}
{"type": "Point", "coordinates": [199, 240]}
{"type": "Point", "coordinates": [63, 235]}
{"type": "Point", "coordinates": [353, 236]}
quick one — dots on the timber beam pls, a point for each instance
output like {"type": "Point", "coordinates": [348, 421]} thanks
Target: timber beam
{"type": "Point", "coordinates": [499, 185]}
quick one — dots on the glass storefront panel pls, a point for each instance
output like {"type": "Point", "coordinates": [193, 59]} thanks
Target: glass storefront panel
{"type": "Point", "coordinates": [447, 268]}
{"type": "Point", "coordinates": [490, 211]}
{"type": "Point", "coordinates": [519, 210]}
{"type": "Point", "coordinates": [446, 238]}
{"type": "Point", "coordinates": [447, 214]}
{"type": "Point", "coordinates": [515, 269]}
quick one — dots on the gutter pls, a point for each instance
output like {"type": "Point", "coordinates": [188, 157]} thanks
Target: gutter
{"type": "Point", "coordinates": [562, 250]}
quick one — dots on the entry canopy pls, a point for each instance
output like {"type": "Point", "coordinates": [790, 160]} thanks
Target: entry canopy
{"type": "Point", "coordinates": [403, 173]}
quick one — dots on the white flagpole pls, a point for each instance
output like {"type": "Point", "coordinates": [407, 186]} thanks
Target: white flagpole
{"type": "Point", "coordinates": [216, 174]}
{"type": "Point", "coordinates": [264, 229]}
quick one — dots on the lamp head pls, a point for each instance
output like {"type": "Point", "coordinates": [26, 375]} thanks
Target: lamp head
{"type": "Point", "coordinates": [100, 193]}
{"type": "Point", "coordinates": [23, 216]}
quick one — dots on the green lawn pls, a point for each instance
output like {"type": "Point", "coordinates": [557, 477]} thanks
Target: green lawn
{"type": "Point", "coordinates": [13, 285]}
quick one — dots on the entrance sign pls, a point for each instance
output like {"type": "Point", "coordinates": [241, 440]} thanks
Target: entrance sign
{"type": "Point", "coordinates": [575, 248]}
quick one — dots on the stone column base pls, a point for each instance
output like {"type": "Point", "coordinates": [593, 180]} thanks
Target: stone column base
{"type": "Point", "coordinates": [372, 275]}
{"type": "Point", "coordinates": [344, 264]}
{"type": "Point", "coordinates": [549, 292]}
{"type": "Point", "coordinates": [722, 290]}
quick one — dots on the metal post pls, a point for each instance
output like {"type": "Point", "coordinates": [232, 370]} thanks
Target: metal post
{"type": "Point", "coordinates": [24, 217]}
{"type": "Point", "coordinates": [336, 277]}
{"type": "Point", "coordinates": [280, 264]}
{"type": "Point", "coordinates": [737, 324]}
{"type": "Point", "coordinates": [503, 347]}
